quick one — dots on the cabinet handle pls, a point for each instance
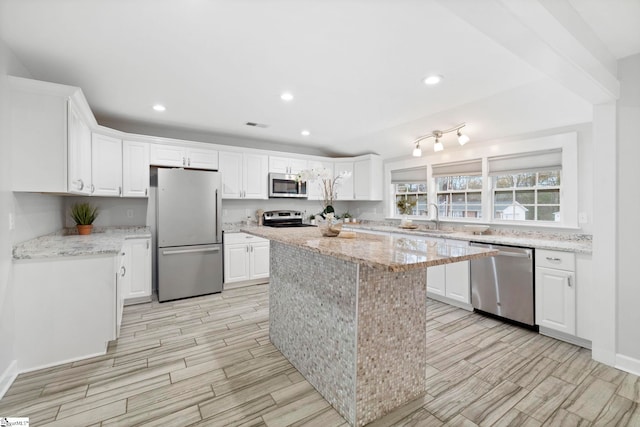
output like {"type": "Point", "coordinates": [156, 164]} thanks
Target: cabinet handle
{"type": "Point", "coordinates": [251, 248]}
{"type": "Point", "coordinates": [189, 161]}
{"type": "Point", "coordinates": [184, 161]}
{"type": "Point", "coordinates": [146, 191]}
{"type": "Point", "coordinates": [119, 191]}
{"type": "Point", "coordinates": [247, 248]}
{"type": "Point", "coordinates": [123, 271]}
{"type": "Point", "coordinates": [569, 281]}
{"type": "Point", "coordinates": [553, 259]}
{"type": "Point", "coordinates": [147, 244]}
{"type": "Point", "coordinates": [80, 184]}
{"type": "Point", "coordinates": [93, 188]}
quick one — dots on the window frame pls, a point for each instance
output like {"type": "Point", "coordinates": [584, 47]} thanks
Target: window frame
{"type": "Point", "coordinates": [536, 188]}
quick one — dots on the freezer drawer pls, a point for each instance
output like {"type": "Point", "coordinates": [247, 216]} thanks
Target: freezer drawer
{"type": "Point", "coordinates": [188, 271]}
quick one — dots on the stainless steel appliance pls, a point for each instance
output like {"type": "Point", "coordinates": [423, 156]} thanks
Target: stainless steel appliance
{"type": "Point", "coordinates": [283, 219]}
{"type": "Point", "coordinates": [189, 233]}
{"type": "Point", "coordinates": [502, 285]}
{"type": "Point", "coordinates": [286, 185]}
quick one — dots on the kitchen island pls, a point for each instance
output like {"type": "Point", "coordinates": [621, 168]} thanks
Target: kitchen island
{"type": "Point", "coordinates": [350, 314]}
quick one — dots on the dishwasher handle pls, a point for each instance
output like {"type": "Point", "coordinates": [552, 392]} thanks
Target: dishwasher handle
{"type": "Point", "coordinates": [515, 254]}
{"type": "Point", "coordinates": [519, 253]}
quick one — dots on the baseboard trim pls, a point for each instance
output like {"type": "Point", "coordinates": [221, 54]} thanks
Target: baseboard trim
{"type": "Point", "coordinates": [8, 377]}
{"type": "Point", "coordinates": [628, 364]}
{"type": "Point", "coordinates": [450, 301]}
{"type": "Point", "coordinates": [571, 339]}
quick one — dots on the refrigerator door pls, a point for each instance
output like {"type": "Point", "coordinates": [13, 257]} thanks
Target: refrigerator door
{"type": "Point", "coordinates": [188, 271]}
{"type": "Point", "coordinates": [188, 207]}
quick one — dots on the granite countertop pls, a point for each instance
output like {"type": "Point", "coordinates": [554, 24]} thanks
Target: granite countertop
{"type": "Point", "coordinates": [66, 242]}
{"type": "Point", "coordinates": [531, 240]}
{"type": "Point", "coordinates": [378, 251]}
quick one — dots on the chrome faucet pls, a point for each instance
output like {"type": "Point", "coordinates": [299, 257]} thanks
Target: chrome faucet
{"type": "Point", "coordinates": [437, 217]}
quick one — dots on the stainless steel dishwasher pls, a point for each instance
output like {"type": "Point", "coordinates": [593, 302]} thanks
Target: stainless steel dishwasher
{"type": "Point", "coordinates": [502, 285]}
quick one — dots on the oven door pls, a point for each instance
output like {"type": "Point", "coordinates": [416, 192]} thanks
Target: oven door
{"type": "Point", "coordinates": [285, 185]}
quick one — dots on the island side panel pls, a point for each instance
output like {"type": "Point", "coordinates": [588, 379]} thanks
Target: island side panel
{"type": "Point", "coordinates": [392, 319]}
{"type": "Point", "coordinates": [312, 320]}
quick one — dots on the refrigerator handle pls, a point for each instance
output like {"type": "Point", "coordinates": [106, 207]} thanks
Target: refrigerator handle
{"type": "Point", "coordinates": [218, 216]}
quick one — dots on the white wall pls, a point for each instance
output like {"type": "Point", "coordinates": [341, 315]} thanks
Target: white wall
{"type": "Point", "coordinates": [112, 211]}
{"type": "Point", "coordinates": [628, 209]}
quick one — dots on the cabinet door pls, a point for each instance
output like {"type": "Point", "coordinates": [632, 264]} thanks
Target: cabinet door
{"type": "Point", "coordinates": [231, 169]}
{"type": "Point", "coordinates": [167, 155]}
{"type": "Point", "coordinates": [139, 269]}
{"type": "Point", "coordinates": [457, 281]}
{"type": "Point", "coordinates": [79, 153]}
{"type": "Point", "coordinates": [297, 165]}
{"type": "Point", "coordinates": [314, 188]}
{"type": "Point", "coordinates": [255, 176]}
{"type": "Point", "coordinates": [362, 179]}
{"type": "Point", "coordinates": [436, 280]}
{"type": "Point", "coordinates": [106, 165]}
{"type": "Point", "coordinates": [279, 164]}
{"type": "Point", "coordinates": [236, 263]}
{"type": "Point", "coordinates": [202, 158]}
{"type": "Point", "coordinates": [135, 169]}
{"type": "Point", "coordinates": [121, 284]}
{"type": "Point", "coordinates": [259, 260]}
{"type": "Point", "coordinates": [556, 300]}
{"type": "Point", "coordinates": [345, 185]}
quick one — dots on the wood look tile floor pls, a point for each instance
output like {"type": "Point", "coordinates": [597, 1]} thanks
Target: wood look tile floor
{"type": "Point", "coordinates": [208, 361]}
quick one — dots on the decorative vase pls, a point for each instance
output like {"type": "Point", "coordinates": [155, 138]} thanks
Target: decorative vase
{"type": "Point", "coordinates": [404, 221]}
{"type": "Point", "coordinates": [83, 230]}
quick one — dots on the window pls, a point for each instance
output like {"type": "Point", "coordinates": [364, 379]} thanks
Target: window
{"type": "Point", "coordinates": [459, 196]}
{"type": "Point", "coordinates": [410, 191]}
{"type": "Point", "coordinates": [459, 189]}
{"type": "Point", "coordinates": [526, 186]}
{"type": "Point", "coordinates": [528, 196]}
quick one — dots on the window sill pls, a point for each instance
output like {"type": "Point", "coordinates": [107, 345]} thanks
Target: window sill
{"type": "Point", "coordinates": [515, 224]}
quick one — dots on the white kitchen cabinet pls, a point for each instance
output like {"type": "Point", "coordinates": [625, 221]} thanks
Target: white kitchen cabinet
{"type": "Point", "coordinates": [174, 155]}
{"type": "Point", "coordinates": [555, 289]}
{"type": "Point", "coordinates": [345, 189]}
{"type": "Point", "coordinates": [244, 175]}
{"type": "Point", "coordinates": [106, 165]}
{"type": "Point", "coordinates": [135, 169]}
{"type": "Point", "coordinates": [121, 278]}
{"type": "Point", "coordinates": [367, 178]}
{"type": "Point", "coordinates": [450, 281]}
{"type": "Point", "coordinates": [288, 165]}
{"type": "Point", "coordinates": [315, 187]}
{"type": "Point", "coordinates": [137, 281]}
{"type": "Point", "coordinates": [246, 258]}
{"type": "Point", "coordinates": [436, 280]}
{"type": "Point", "coordinates": [584, 299]}
{"type": "Point", "coordinates": [79, 153]}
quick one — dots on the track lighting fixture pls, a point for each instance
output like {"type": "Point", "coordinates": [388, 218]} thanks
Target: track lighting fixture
{"type": "Point", "coordinates": [437, 134]}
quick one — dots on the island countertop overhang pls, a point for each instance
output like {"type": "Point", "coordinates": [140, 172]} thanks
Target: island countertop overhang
{"type": "Point", "coordinates": [377, 251]}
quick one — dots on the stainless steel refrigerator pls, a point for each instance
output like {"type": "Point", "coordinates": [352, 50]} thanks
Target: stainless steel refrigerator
{"type": "Point", "coordinates": [189, 233]}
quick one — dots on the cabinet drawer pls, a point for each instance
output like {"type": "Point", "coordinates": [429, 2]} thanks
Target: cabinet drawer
{"type": "Point", "coordinates": [233, 238]}
{"type": "Point", "coordinates": [556, 259]}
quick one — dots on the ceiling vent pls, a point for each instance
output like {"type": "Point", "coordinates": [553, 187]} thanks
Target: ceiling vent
{"type": "Point", "coordinates": [257, 125]}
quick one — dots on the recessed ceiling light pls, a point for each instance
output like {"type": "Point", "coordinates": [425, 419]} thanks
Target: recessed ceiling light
{"type": "Point", "coordinates": [159, 107]}
{"type": "Point", "coordinates": [305, 133]}
{"type": "Point", "coordinates": [432, 80]}
{"type": "Point", "coordinates": [286, 96]}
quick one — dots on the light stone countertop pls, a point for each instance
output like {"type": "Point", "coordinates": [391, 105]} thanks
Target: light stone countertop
{"type": "Point", "coordinates": [530, 240]}
{"type": "Point", "coordinates": [67, 243]}
{"type": "Point", "coordinates": [377, 251]}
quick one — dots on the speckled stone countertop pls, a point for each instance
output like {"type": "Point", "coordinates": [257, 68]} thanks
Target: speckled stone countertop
{"type": "Point", "coordinates": [377, 251]}
{"type": "Point", "coordinates": [530, 240]}
{"type": "Point", "coordinates": [66, 242]}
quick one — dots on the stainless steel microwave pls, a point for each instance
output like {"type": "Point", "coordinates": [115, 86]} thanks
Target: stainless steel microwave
{"type": "Point", "coordinates": [286, 185]}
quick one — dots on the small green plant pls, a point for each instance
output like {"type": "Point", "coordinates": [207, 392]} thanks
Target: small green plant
{"type": "Point", "coordinates": [347, 215]}
{"type": "Point", "coordinates": [84, 213]}
{"type": "Point", "coordinates": [405, 206]}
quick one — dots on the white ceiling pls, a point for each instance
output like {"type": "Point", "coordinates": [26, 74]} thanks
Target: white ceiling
{"type": "Point", "coordinates": [353, 66]}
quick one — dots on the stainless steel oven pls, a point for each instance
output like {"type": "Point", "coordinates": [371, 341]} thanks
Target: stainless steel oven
{"type": "Point", "coordinates": [286, 185]}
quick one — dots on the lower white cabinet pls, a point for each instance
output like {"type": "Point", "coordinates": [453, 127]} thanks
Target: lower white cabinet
{"type": "Point", "coordinates": [136, 280]}
{"type": "Point", "coordinates": [556, 291]}
{"type": "Point", "coordinates": [246, 258]}
{"type": "Point", "coordinates": [450, 281]}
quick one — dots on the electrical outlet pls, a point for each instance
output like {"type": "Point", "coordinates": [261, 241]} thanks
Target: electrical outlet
{"type": "Point", "coordinates": [12, 222]}
{"type": "Point", "coordinates": [129, 213]}
{"type": "Point", "coordinates": [582, 218]}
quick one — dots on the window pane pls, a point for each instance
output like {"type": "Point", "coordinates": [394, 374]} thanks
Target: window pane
{"type": "Point", "coordinates": [549, 179]}
{"type": "Point", "coordinates": [443, 184]}
{"type": "Point", "coordinates": [474, 211]}
{"type": "Point", "coordinates": [505, 181]}
{"type": "Point", "coordinates": [474, 198]}
{"type": "Point", "coordinates": [475, 183]}
{"type": "Point", "coordinates": [548, 213]}
{"type": "Point", "coordinates": [525, 180]}
{"type": "Point", "coordinates": [422, 188]}
{"type": "Point", "coordinates": [527, 197]}
{"type": "Point", "coordinates": [401, 188]}
{"type": "Point", "coordinates": [459, 182]}
{"type": "Point", "coordinates": [549, 197]}
{"type": "Point", "coordinates": [498, 211]}
{"type": "Point", "coordinates": [530, 213]}
{"type": "Point", "coordinates": [412, 188]}
{"type": "Point", "coordinates": [458, 198]}
{"type": "Point", "coordinates": [503, 197]}
{"type": "Point", "coordinates": [443, 199]}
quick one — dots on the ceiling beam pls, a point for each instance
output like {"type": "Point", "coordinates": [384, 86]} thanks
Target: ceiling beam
{"type": "Point", "coordinates": [550, 36]}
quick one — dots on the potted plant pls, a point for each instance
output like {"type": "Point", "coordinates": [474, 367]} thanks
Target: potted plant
{"type": "Point", "coordinates": [84, 214]}
{"type": "Point", "coordinates": [347, 216]}
{"type": "Point", "coordinates": [405, 207]}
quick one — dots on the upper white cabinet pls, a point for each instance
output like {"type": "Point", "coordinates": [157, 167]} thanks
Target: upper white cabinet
{"type": "Point", "coordinates": [288, 165]}
{"type": "Point", "coordinates": [367, 178]}
{"type": "Point", "coordinates": [244, 175]}
{"type": "Point", "coordinates": [79, 160]}
{"type": "Point", "coordinates": [314, 188]}
{"type": "Point", "coordinates": [106, 165]}
{"type": "Point", "coordinates": [135, 169]}
{"type": "Point", "coordinates": [345, 185]}
{"type": "Point", "coordinates": [555, 288]}
{"type": "Point", "coordinates": [183, 156]}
